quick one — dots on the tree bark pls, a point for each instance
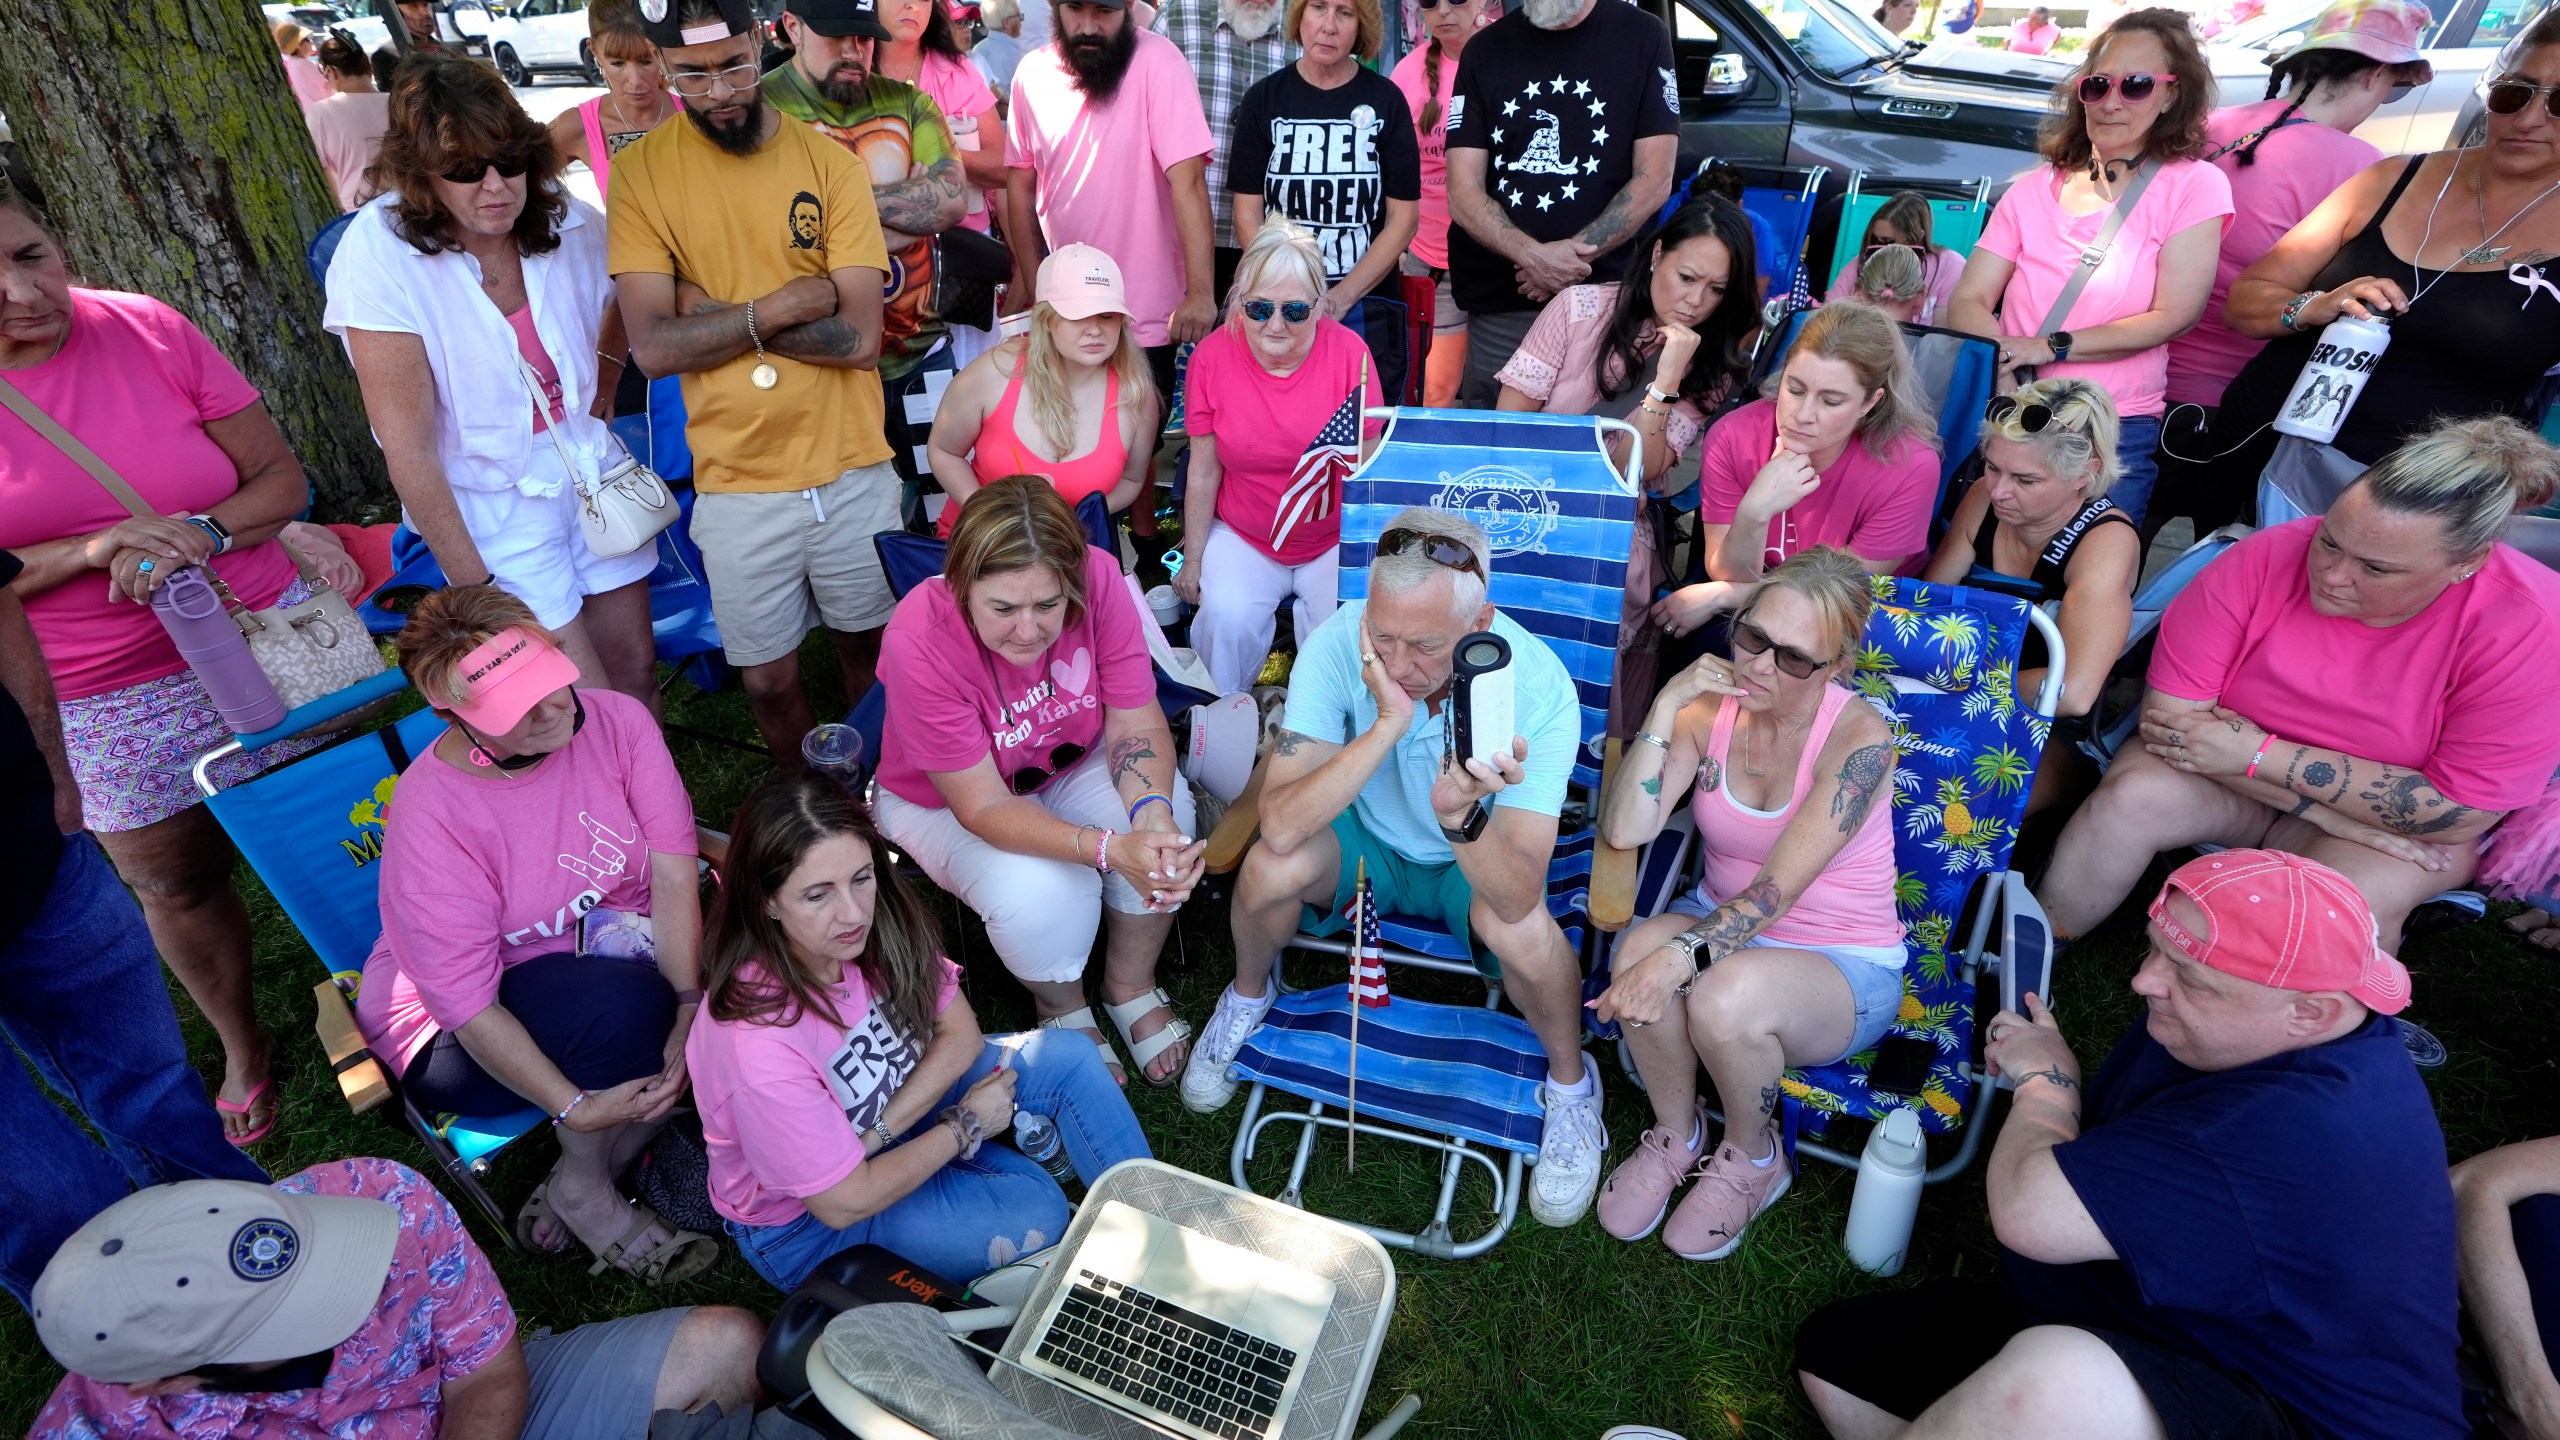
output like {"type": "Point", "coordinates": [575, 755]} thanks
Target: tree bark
{"type": "Point", "coordinates": [172, 155]}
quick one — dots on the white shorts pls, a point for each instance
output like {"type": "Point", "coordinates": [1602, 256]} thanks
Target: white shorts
{"type": "Point", "coordinates": [780, 564]}
{"type": "Point", "coordinates": [535, 549]}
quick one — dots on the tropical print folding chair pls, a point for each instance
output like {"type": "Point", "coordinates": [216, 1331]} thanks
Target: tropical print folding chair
{"type": "Point", "coordinates": [313, 831]}
{"type": "Point", "coordinates": [1460, 1080]}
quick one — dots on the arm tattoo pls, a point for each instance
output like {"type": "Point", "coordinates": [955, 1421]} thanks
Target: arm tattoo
{"type": "Point", "coordinates": [1616, 223]}
{"type": "Point", "coordinates": [1126, 755]}
{"type": "Point", "coordinates": [1652, 787]}
{"type": "Point", "coordinates": [2052, 1073]}
{"type": "Point", "coordinates": [2293, 765]}
{"type": "Point", "coordinates": [1859, 778]}
{"type": "Point", "coordinates": [2318, 774]}
{"type": "Point", "coordinates": [2346, 779]}
{"type": "Point", "coordinates": [2302, 805]}
{"type": "Point", "coordinates": [914, 205]}
{"type": "Point", "coordinates": [831, 338]}
{"type": "Point", "coordinates": [1738, 919]}
{"type": "Point", "coordinates": [1289, 742]}
{"type": "Point", "coordinates": [2402, 798]}
{"type": "Point", "coordinates": [1710, 776]}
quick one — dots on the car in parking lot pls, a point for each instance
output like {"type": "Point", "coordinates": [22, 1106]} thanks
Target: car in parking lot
{"type": "Point", "coordinates": [537, 37]}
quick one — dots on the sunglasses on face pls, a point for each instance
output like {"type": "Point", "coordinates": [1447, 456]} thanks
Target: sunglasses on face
{"type": "Point", "coordinates": [1294, 311]}
{"type": "Point", "coordinates": [1032, 777]}
{"type": "Point", "coordinates": [1750, 639]}
{"type": "Point", "coordinates": [1438, 549]}
{"type": "Point", "coordinates": [2136, 87]}
{"type": "Point", "coordinates": [508, 166]}
{"type": "Point", "coordinates": [2509, 97]}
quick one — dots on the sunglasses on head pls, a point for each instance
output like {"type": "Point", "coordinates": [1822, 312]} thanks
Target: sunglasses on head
{"type": "Point", "coordinates": [2509, 97]}
{"type": "Point", "coordinates": [1750, 639]}
{"type": "Point", "coordinates": [1438, 549]}
{"type": "Point", "coordinates": [469, 172]}
{"type": "Point", "coordinates": [1293, 311]}
{"type": "Point", "coordinates": [2030, 416]}
{"type": "Point", "coordinates": [2136, 87]}
{"type": "Point", "coordinates": [1032, 777]}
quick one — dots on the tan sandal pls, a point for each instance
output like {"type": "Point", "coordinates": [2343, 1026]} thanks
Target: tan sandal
{"type": "Point", "coordinates": [1126, 1015]}
{"type": "Point", "coordinates": [678, 1258]}
{"type": "Point", "coordinates": [1081, 1019]}
{"type": "Point", "coordinates": [537, 1210]}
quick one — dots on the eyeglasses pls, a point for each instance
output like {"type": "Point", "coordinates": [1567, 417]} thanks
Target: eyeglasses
{"type": "Point", "coordinates": [1032, 777]}
{"type": "Point", "coordinates": [696, 84]}
{"type": "Point", "coordinates": [1750, 639]}
{"type": "Point", "coordinates": [1294, 311]}
{"type": "Point", "coordinates": [2507, 97]}
{"type": "Point", "coordinates": [469, 172]}
{"type": "Point", "coordinates": [2136, 87]}
{"type": "Point", "coordinates": [1438, 549]}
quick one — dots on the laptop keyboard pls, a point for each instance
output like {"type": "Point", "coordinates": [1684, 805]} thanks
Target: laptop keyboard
{"type": "Point", "coordinates": [1155, 1354]}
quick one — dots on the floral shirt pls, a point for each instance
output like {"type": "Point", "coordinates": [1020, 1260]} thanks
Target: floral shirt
{"type": "Point", "coordinates": [442, 1315]}
{"type": "Point", "coordinates": [1558, 362]}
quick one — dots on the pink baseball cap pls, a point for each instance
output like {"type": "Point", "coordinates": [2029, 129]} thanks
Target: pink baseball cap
{"type": "Point", "coordinates": [1080, 282]}
{"type": "Point", "coordinates": [2386, 30]}
{"type": "Point", "coordinates": [2277, 919]}
{"type": "Point", "coordinates": [509, 674]}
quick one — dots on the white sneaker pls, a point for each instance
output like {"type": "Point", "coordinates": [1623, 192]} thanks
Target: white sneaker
{"type": "Point", "coordinates": [1570, 1153]}
{"type": "Point", "coordinates": [1205, 1086]}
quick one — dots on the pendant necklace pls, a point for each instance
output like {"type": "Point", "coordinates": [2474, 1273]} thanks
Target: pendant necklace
{"type": "Point", "coordinates": [2484, 253]}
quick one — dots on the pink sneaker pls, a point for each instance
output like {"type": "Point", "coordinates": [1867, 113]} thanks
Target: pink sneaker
{"type": "Point", "coordinates": [1639, 1190]}
{"type": "Point", "coordinates": [1730, 1193]}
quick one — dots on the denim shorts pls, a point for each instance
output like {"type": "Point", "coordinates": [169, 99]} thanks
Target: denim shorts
{"type": "Point", "coordinates": [1874, 973]}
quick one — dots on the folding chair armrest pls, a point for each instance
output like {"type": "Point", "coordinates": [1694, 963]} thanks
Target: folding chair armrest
{"type": "Point", "coordinates": [712, 845]}
{"type": "Point", "coordinates": [1242, 822]}
{"type": "Point", "coordinates": [1613, 871]}
{"type": "Point", "coordinates": [360, 1078]}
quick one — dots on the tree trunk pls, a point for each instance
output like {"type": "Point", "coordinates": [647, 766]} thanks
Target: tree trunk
{"type": "Point", "coordinates": [172, 155]}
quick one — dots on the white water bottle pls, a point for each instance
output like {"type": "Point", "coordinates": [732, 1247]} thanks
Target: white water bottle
{"type": "Point", "coordinates": [2341, 364]}
{"type": "Point", "coordinates": [1887, 1198]}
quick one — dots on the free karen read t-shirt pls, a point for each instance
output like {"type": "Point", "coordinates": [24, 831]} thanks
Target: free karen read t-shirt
{"type": "Point", "coordinates": [480, 874]}
{"type": "Point", "coordinates": [1328, 159]}
{"type": "Point", "coordinates": [953, 702]}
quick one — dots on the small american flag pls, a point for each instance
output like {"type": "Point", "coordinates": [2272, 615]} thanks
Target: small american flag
{"type": "Point", "coordinates": [1329, 460]}
{"type": "Point", "coordinates": [1368, 966]}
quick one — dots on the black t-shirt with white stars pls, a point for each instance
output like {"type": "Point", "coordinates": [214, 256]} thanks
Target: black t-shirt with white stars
{"type": "Point", "coordinates": [1560, 111]}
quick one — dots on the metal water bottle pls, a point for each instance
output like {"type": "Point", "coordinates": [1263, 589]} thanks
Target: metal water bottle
{"type": "Point", "coordinates": [1890, 1175]}
{"type": "Point", "coordinates": [211, 642]}
{"type": "Point", "coordinates": [2341, 364]}
{"type": "Point", "coordinates": [1037, 1137]}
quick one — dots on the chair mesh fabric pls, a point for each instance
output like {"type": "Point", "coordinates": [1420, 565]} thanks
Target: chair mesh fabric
{"type": "Point", "coordinates": [1459, 1070]}
{"type": "Point", "coordinates": [1953, 224]}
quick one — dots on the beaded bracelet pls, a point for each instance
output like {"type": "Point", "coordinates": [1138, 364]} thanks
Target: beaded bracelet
{"type": "Point", "coordinates": [1102, 850]}
{"type": "Point", "coordinates": [574, 1102]}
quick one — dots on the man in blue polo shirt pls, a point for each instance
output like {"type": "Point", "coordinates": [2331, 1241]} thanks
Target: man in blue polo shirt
{"type": "Point", "coordinates": [1359, 774]}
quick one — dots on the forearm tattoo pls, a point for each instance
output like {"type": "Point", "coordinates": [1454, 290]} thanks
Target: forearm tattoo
{"type": "Point", "coordinates": [1738, 919]}
{"type": "Point", "coordinates": [2302, 806]}
{"type": "Point", "coordinates": [1859, 778]}
{"type": "Point", "coordinates": [2406, 804]}
{"type": "Point", "coordinates": [914, 205]}
{"type": "Point", "coordinates": [830, 338]}
{"type": "Point", "coordinates": [1651, 785]}
{"type": "Point", "coordinates": [2052, 1073]}
{"type": "Point", "coordinates": [1126, 754]}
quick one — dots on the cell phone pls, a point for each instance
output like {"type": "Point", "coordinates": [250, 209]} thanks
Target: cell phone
{"type": "Point", "coordinates": [1480, 710]}
{"type": "Point", "coordinates": [1902, 1065]}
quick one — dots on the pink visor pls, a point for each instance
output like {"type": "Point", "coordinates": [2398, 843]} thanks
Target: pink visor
{"type": "Point", "coordinates": [508, 675]}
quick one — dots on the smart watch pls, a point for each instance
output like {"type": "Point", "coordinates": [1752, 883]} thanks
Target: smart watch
{"type": "Point", "coordinates": [2060, 340]}
{"type": "Point", "coordinates": [1470, 829]}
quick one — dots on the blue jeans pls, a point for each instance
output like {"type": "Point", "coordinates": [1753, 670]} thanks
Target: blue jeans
{"type": "Point", "coordinates": [82, 997]}
{"type": "Point", "coordinates": [971, 1216]}
{"type": "Point", "coordinates": [2137, 466]}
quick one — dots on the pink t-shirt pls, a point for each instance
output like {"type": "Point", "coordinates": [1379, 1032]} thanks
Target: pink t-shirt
{"type": "Point", "coordinates": [310, 83]}
{"type": "Point", "coordinates": [529, 345]}
{"type": "Point", "coordinates": [442, 1315]}
{"type": "Point", "coordinates": [967, 101]}
{"type": "Point", "coordinates": [1431, 236]}
{"type": "Point", "coordinates": [2029, 230]}
{"type": "Point", "coordinates": [2297, 166]}
{"type": "Point", "coordinates": [1558, 362]}
{"type": "Point", "coordinates": [2029, 38]}
{"type": "Point", "coordinates": [785, 1106]}
{"type": "Point", "coordinates": [347, 130]}
{"type": "Point", "coordinates": [953, 702]}
{"type": "Point", "coordinates": [481, 874]}
{"type": "Point", "coordinates": [1264, 424]}
{"type": "Point", "coordinates": [137, 383]}
{"type": "Point", "coordinates": [1102, 167]}
{"type": "Point", "coordinates": [1938, 276]}
{"type": "Point", "coordinates": [1877, 509]}
{"type": "Point", "coordinates": [2457, 691]}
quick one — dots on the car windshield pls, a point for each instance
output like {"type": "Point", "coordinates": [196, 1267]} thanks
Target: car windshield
{"type": "Point", "coordinates": [1833, 38]}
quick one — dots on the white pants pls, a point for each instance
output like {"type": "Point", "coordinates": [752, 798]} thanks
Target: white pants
{"type": "Point", "coordinates": [1042, 914]}
{"type": "Point", "coordinates": [1240, 590]}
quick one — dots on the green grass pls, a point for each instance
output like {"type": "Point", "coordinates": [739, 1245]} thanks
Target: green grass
{"type": "Point", "coordinates": [1555, 1333]}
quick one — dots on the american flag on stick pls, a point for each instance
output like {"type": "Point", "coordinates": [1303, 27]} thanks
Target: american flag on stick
{"type": "Point", "coordinates": [1316, 482]}
{"type": "Point", "coordinates": [1368, 989]}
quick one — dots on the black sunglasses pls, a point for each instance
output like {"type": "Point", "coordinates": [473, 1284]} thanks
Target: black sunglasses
{"type": "Point", "coordinates": [2136, 87]}
{"type": "Point", "coordinates": [508, 166]}
{"type": "Point", "coordinates": [1750, 639]}
{"type": "Point", "coordinates": [2029, 416]}
{"type": "Point", "coordinates": [1032, 777]}
{"type": "Point", "coordinates": [2507, 97]}
{"type": "Point", "coordinates": [1438, 549]}
{"type": "Point", "coordinates": [1294, 311]}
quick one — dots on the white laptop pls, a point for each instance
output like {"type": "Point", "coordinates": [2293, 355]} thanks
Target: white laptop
{"type": "Point", "coordinates": [1204, 1338]}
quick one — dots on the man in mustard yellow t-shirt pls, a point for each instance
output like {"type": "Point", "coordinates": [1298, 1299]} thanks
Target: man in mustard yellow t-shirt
{"type": "Point", "coordinates": [748, 258]}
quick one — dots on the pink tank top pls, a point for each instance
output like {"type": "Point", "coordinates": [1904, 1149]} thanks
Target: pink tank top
{"type": "Point", "coordinates": [529, 345]}
{"type": "Point", "coordinates": [1000, 451]}
{"type": "Point", "coordinates": [599, 150]}
{"type": "Point", "coordinates": [1851, 901]}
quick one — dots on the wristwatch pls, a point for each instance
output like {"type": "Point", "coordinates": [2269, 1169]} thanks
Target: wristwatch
{"type": "Point", "coordinates": [2060, 340]}
{"type": "Point", "coordinates": [214, 529]}
{"type": "Point", "coordinates": [1467, 831]}
{"type": "Point", "coordinates": [1688, 943]}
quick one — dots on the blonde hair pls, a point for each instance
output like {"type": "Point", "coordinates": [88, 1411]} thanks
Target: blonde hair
{"type": "Point", "coordinates": [613, 27]}
{"type": "Point", "coordinates": [2471, 475]}
{"type": "Point", "coordinates": [1868, 341]}
{"type": "Point", "coordinates": [1370, 26]}
{"type": "Point", "coordinates": [448, 625]}
{"type": "Point", "coordinates": [1044, 380]}
{"type": "Point", "coordinates": [1012, 524]}
{"type": "Point", "coordinates": [1836, 583]}
{"type": "Point", "coordinates": [1282, 244]}
{"type": "Point", "coordinates": [2084, 429]}
{"type": "Point", "coordinates": [1891, 276]}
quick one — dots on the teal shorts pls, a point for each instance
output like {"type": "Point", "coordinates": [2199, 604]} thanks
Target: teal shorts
{"type": "Point", "coordinates": [1403, 887]}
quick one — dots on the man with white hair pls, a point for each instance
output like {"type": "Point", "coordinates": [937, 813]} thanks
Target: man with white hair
{"type": "Point", "coordinates": [1362, 772]}
{"type": "Point", "coordinates": [1564, 128]}
{"type": "Point", "coordinates": [998, 54]}
{"type": "Point", "coordinates": [2249, 1233]}
{"type": "Point", "coordinates": [1231, 44]}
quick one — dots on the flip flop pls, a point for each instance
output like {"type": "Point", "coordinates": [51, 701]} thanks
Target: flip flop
{"type": "Point", "coordinates": [1081, 1019]}
{"type": "Point", "coordinates": [537, 1210]}
{"type": "Point", "coordinates": [247, 1138]}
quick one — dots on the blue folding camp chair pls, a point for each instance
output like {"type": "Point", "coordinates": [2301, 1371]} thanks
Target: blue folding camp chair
{"type": "Point", "coordinates": [1460, 1080]}
{"type": "Point", "coordinates": [1784, 197]}
{"type": "Point", "coordinates": [1958, 209]}
{"type": "Point", "coordinates": [324, 248]}
{"type": "Point", "coordinates": [1938, 662]}
{"type": "Point", "coordinates": [312, 829]}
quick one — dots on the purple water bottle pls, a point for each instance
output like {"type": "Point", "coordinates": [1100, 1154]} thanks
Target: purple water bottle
{"type": "Point", "coordinates": [213, 646]}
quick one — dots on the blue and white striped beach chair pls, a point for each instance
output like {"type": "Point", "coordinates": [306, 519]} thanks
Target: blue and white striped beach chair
{"type": "Point", "coordinates": [1457, 1079]}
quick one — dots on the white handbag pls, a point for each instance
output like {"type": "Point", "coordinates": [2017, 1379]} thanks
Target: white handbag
{"type": "Point", "coordinates": [626, 507]}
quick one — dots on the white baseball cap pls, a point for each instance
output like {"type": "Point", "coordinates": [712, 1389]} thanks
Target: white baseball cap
{"type": "Point", "coordinates": [1080, 282]}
